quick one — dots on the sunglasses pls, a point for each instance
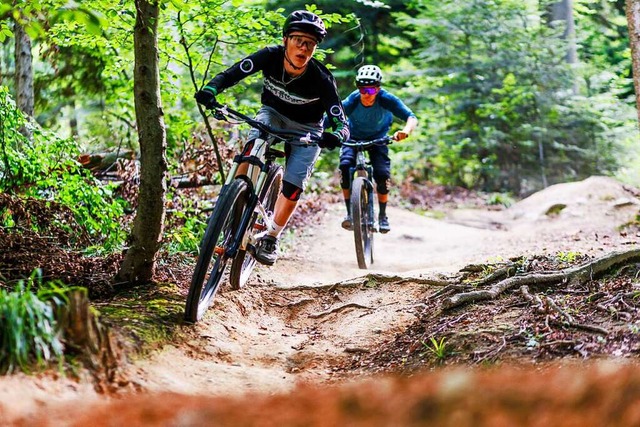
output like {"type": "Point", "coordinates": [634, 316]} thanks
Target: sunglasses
{"type": "Point", "coordinates": [368, 90]}
{"type": "Point", "coordinates": [300, 41]}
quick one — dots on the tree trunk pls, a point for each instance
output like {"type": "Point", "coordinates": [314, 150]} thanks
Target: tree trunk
{"type": "Point", "coordinates": [633, 19]}
{"type": "Point", "coordinates": [24, 74]}
{"type": "Point", "coordinates": [562, 11]}
{"type": "Point", "coordinates": [139, 264]}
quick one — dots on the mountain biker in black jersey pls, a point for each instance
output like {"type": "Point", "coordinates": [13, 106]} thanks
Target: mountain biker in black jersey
{"type": "Point", "coordinates": [370, 110]}
{"type": "Point", "coordinates": [297, 91]}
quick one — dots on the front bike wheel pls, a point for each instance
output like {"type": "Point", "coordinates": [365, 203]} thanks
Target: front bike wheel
{"type": "Point", "coordinates": [213, 259]}
{"type": "Point", "coordinates": [362, 221]}
{"type": "Point", "coordinates": [243, 263]}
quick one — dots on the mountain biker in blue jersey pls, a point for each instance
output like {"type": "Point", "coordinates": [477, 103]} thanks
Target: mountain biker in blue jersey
{"type": "Point", "coordinates": [297, 91]}
{"type": "Point", "coordinates": [370, 110]}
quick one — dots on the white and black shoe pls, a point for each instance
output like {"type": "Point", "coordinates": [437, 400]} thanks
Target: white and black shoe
{"type": "Point", "coordinates": [267, 250]}
{"type": "Point", "coordinates": [383, 224]}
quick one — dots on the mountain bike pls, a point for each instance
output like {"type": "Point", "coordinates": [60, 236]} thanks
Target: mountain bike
{"type": "Point", "coordinates": [362, 200]}
{"type": "Point", "coordinates": [242, 213]}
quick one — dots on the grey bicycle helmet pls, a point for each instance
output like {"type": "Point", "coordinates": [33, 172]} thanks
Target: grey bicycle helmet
{"type": "Point", "coordinates": [307, 22]}
{"type": "Point", "coordinates": [369, 75]}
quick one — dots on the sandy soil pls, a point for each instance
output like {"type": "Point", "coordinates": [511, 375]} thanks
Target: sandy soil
{"type": "Point", "coordinates": [595, 208]}
{"type": "Point", "coordinates": [296, 319]}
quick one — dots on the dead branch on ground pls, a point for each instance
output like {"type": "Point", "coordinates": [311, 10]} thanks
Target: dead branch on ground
{"type": "Point", "coordinates": [574, 276]}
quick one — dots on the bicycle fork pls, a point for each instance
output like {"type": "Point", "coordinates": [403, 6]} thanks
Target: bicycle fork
{"type": "Point", "coordinates": [361, 170]}
{"type": "Point", "coordinates": [241, 235]}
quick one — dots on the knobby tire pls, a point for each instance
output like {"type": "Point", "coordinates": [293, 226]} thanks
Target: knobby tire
{"type": "Point", "coordinates": [243, 263]}
{"type": "Point", "coordinates": [211, 264]}
{"type": "Point", "coordinates": [362, 222]}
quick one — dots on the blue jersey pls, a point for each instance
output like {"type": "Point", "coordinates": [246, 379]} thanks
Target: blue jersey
{"type": "Point", "coordinates": [375, 121]}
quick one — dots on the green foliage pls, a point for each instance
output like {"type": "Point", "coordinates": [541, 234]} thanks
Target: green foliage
{"type": "Point", "coordinates": [437, 347]}
{"type": "Point", "coordinates": [5, 30]}
{"type": "Point", "coordinates": [368, 33]}
{"type": "Point", "coordinates": [504, 101]}
{"type": "Point", "coordinates": [601, 28]}
{"type": "Point", "coordinates": [28, 325]}
{"type": "Point", "coordinates": [499, 108]}
{"type": "Point", "coordinates": [569, 257]}
{"type": "Point", "coordinates": [45, 168]}
{"type": "Point", "coordinates": [186, 233]}
{"type": "Point", "coordinates": [503, 199]}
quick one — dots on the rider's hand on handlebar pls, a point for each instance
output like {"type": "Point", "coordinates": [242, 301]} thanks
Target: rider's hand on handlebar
{"type": "Point", "coordinates": [400, 135]}
{"type": "Point", "coordinates": [329, 141]}
{"type": "Point", "coordinates": [207, 97]}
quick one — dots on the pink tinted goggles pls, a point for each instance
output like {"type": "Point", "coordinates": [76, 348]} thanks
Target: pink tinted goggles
{"type": "Point", "coordinates": [368, 90]}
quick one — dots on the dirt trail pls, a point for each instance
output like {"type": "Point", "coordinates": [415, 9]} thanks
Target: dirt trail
{"type": "Point", "coordinates": [594, 209]}
{"type": "Point", "coordinates": [261, 339]}
{"type": "Point", "coordinates": [258, 339]}
{"type": "Point", "coordinates": [290, 324]}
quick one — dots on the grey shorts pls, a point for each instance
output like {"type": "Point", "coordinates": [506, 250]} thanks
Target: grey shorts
{"type": "Point", "coordinates": [302, 157]}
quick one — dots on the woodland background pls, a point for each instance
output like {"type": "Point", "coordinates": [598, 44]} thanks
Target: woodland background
{"type": "Point", "coordinates": [511, 96]}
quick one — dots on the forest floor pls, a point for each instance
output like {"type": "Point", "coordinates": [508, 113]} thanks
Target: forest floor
{"type": "Point", "coordinates": [314, 340]}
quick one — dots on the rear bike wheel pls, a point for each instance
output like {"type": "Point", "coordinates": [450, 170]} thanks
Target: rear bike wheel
{"type": "Point", "coordinates": [243, 264]}
{"type": "Point", "coordinates": [362, 221]}
{"type": "Point", "coordinates": [213, 259]}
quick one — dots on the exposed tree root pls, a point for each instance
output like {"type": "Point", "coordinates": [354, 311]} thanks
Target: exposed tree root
{"type": "Point", "coordinates": [294, 303]}
{"type": "Point", "coordinates": [372, 279]}
{"type": "Point", "coordinates": [499, 274]}
{"type": "Point", "coordinates": [574, 276]}
{"type": "Point", "coordinates": [589, 328]}
{"type": "Point", "coordinates": [336, 309]}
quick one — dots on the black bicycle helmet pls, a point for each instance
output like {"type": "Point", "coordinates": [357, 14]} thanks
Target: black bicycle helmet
{"type": "Point", "coordinates": [369, 75]}
{"type": "Point", "coordinates": [307, 22]}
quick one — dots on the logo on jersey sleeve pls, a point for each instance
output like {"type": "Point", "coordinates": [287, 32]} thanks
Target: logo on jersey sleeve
{"type": "Point", "coordinates": [246, 66]}
{"type": "Point", "coordinates": [336, 111]}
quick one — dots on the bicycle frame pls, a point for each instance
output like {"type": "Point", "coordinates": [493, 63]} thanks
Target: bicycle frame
{"type": "Point", "coordinates": [362, 201]}
{"type": "Point", "coordinates": [243, 207]}
{"type": "Point", "coordinates": [252, 203]}
{"type": "Point", "coordinates": [365, 170]}
{"type": "Point", "coordinates": [268, 136]}
{"type": "Point", "coordinates": [362, 168]}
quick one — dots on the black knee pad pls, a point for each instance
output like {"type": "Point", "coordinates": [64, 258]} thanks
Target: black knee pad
{"type": "Point", "coordinates": [291, 192]}
{"type": "Point", "coordinates": [382, 185]}
{"type": "Point", "coordinates": [345, 177]}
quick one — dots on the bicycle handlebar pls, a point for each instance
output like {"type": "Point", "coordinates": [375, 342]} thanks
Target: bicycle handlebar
{"type": "Point", "coordinates": [222, 111]}
{"type": "Point", "coordinates": [385, 140]}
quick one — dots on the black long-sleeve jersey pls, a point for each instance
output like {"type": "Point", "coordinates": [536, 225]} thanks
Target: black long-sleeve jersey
{"type": "Point", "coordinates": [303, 99]}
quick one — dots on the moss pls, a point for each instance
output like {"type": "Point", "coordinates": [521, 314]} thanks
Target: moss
{"type": "Point", "coordinates": [555, 209]}
{"type": "Point", "coordinates": [149, 315]}
{"type": "Point", "coordinates": [434, 214]}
